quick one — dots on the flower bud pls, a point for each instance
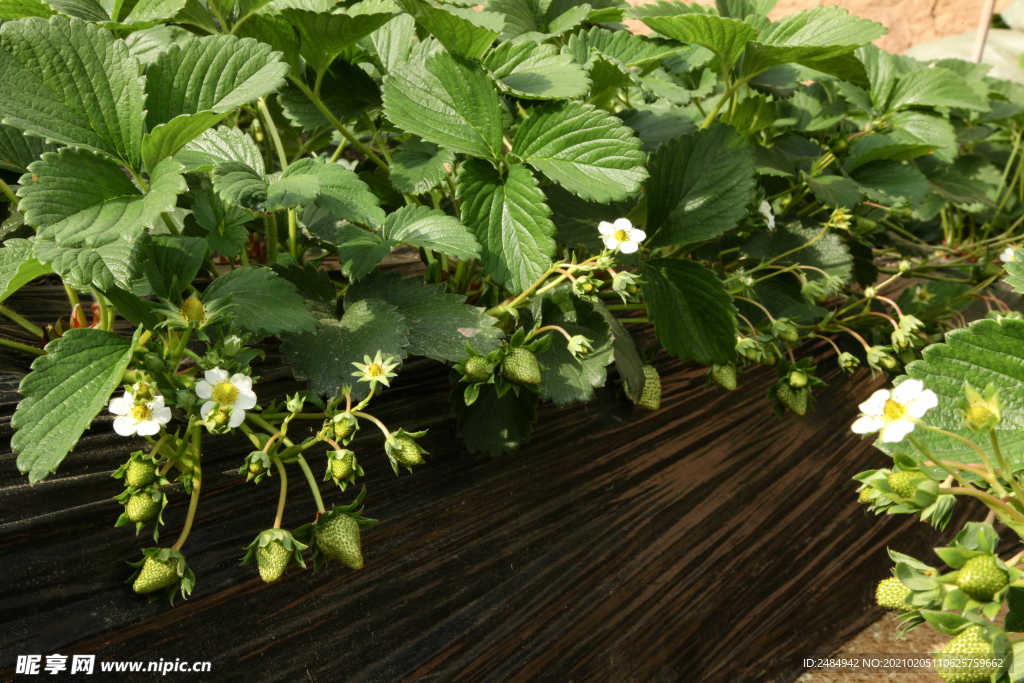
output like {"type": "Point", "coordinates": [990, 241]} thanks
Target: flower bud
{"type": "Point", "coordinates": [980, 412]}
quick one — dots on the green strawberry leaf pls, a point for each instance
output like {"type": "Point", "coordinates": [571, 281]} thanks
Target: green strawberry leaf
{"type": "Point", "coordinates": [888, 181]}
{"type": "Point", "coordinates": [700, 186]}
{"type": "Point", "coordinates": [447, 100]}
{"type": "Point", "coordinates": [132, 308]}
{"type": "Point", "coordinates": [273, 30]}
{"type": "Point", "coordinates": [394, 41]}
{"type": "Point", "coordinates": [828, 252]}
{"type": "Point", "coordinates": [627, 359]}
{"type": "Point", "coordinates": [691, 309]}
{"type": "Point", "coordinates": [510, 220]}
{"type": "Point", "coordinates": [18, 267]}
{"type": "Point", "coordinates": [835, 191]}
{"type": "Point", "coordinates": [20, 9]}
{"type": "Point", "coordinates": [492, 424]}
{"type": "Point", "coordinates": [324, 357]}
{"type": "Point", "coordinates": [18, 150]}
{"type": "Point", "coordinates": [934, 87]}
{"type": "Point", "coordinates": [166, 139]}
{"type": "Point", "coordinates": [345, 195]}
{"type": "Point", "coordinates": [99, 109]}
{"type": "Point", "coordinates": [265, 303]}
{"type": "Point", "coordinates": [323, 35]}
{"type": "Point", "coordinates": [221, 225]}
{"type": "Point", "coordinates": [568, 378]}
{"type": "Point", "coordinates": [359, 250]}
{"type": "Point", "coordinates": [622, 46]}
{"type": "Point", "coordinates": [536, 72]}
{"type": "Point", "coordinates": [347, 91]}
{"type": "Point", "coordinates": [143, 14]}
{"type": "Point", "coordinates": [218, 145]}
{"type": "Point", "coordinates": [66, 389]}
{"type": "Point", "coordinates": [419, 166]}
{"type": "Point", "coordinates": [585, 149]}
{"type": "Point", "coordinates": [173, 263]}
{"type": "Point", "coordinates": [80, 201]}
{"type": "Point", "coordinates": [215, 73]}
{"type": "Point", "coordinates": [461, 30]}
{"type": "Point", "coordinates": [727, 38]}
{"type": "Point", "coordinates": [431, 229]}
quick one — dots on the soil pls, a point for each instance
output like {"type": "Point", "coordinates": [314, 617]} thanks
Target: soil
{"type": "Point", "coordinates": [910, 21]}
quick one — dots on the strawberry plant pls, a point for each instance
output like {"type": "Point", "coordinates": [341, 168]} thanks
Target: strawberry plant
{"type": "Point", "coordinates": [202, 176]}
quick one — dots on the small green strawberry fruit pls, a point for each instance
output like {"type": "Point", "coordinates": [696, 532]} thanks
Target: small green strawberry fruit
{"type": "Point", "coordinates": [156, 574]}
{"type": "Point", "coordinates": [797, 379]}
{"type": "Point", "coordinates": [344, 426]}
{"type": "Point", "coordinates": [140, 473]}
{"type": "Point", "coordinates": [141, 507]}
{"type": "Point", "coordinates": [192, 310]}
{"type": "Point", "coordinates": [900, 483]}
{"type": "Point", "coordinates": [521, 366]}
{"type": "Point", "coordinates": [272, 560]}
{"type": "Point", "coordinates": [788, 333]}
{"type": "Point", "coordinates": [865, 495]}
{"type": "Point", "coordinates": [724, 376]}
{"type": "Point", "coordinates": [651, 396]}
{"type": "Point", "coordinates": [891, 594]}
{"type": "Point", "coordinates": [256, 468]}
{"type": "Point", "coordinates": [963, 658]}
{"type": "Point", "coordinates": [794, 399]}
{"type": "Point", "coordinates": [407, 452]}
{"type": "Point", "coordinates": [981, 578]}
{"type": "Point", "coordinates": [342, 468]}
{"type": "Point", "coordinates": [337, 537]}
{"type": "Point", "coordinates": [478, 369]}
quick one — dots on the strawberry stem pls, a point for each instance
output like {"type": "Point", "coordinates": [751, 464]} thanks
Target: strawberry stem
{"type": "Point", "coordinates": [371, 418]}
{"type": "Point", "coordinates": [312, 482]}
{"type": "Point", "coordinates": [197, 484]}
{"type": "Point", "coordinates": [284, 493]}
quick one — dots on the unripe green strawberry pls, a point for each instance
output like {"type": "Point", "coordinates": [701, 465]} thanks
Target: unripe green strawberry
{"type": "Point", "coordinates": [342, 468]}
{"type": "Point", "coordinates": [794, 399]}
{"type": "Point", "coordinates": [899, 482]}
{"type": "Point", "coordinates": [797, 379]}
{"type": "Point", "coordinates": [272, 561]}
{"type": "Point", "coordinates": [343, 429]}
{"type": "Point", "coordinates": [521, 366]}
{"type": "Point", "coordinates": [141, 507]}
{"type": "Point", "coordinates": [980, 578]}
{"type": "Point", "coordinates": [651, 397]}
{"type": "Point", "coordinates": [724, 376]}
{"type": "Point", "coordinates": [891, 594]}
{"type": "Point", "coordinates": [476, 369]}
{"type": "Point", "coordinates": [407, 452]}
{"type": "Point", "coordinates": [966, 654]}
{"type": "Point", "coordinates": [192, 310]}
{"type": "Point", "coordinates": [888, 362]}
{"type": "Point", "coordinates": [140, 473]}
{"type": "Point", "coordinates": [865, 495]}
{"type": "Point", "coordinates": [156, 575]}
{"type": "Point", "coordinates": [219, 417]}
{"type": "Point", "coordinates": [337, 537]}
{"type": "Point", "coordinates": [789, 333]}
{"type": "Point", "coordinates": [256, 468]}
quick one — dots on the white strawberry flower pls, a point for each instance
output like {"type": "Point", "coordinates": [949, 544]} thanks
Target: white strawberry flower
{"type": "Point", "coordinates": [1007, 255]}
{"type": "Point", "coordinates": [893, 414]}
{"type": "Point", "coordinates": [621, 235]}
{"type": "Point", "coordinates": [234, 394]}
{"type": "Point", "coordinates": [142, 418]}
{"type": "Point", "coordinates": [766, 211]}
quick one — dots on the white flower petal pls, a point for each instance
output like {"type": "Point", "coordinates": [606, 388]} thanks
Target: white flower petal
{"type": "Point", "coordinates": [876, 404]}
{"type": "Point", "coordinates": [148, 428]}
{"type": "Point", "coordinates": [623, 224]}
{"type": "Point", "coordinates": [246, 400]}
{"type": "Point", "coordinates": [125, 425]}
{"type": "Point", "coordinates": [215, 375]}
{"type": "Point", "coordinates": [922, 404]}
{"type": "Point", "coordinates": [637, 235]}
{"type": "Point", "coordinates": [908, 391]}
{"type": "Point", "coordinates": [606, 228]}
{"type": "Point", "coordinates": [610, 242]}
{"type": "Point", "coordinates": [120, 406]}
{"type": "Point", "coordinates": [162, 415]}
{"type": "Point", "coordinates": [204, 389]}
{"type": "Point", "coordinates": [237, 417]}
{"type": "Point", "coordinates": [241, 382]}
{"type": "Point", "coordinates": [867, 424]}
{"type": "Point", "coordinates": [628, 247]}
{"type": "Point", "coordinates": [207, 407]}
{"type": "Point", "coordinates": [896, 431]}
{"type": "Point", "coordinates": [157, 403]}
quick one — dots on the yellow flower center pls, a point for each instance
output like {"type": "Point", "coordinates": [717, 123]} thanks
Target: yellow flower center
{"type": "Point", "coordinates": [893, 411]}
{"type": "Point", "coordinates": [621, 235]}
{"type": "Point", "coordinates": [375, 370]}
{"type": "Point", "coordinates": [141, 413]}
{"type": "Point", "coordinates": [225, 393]}
{"type": "Point", "coordinates": [979, 414]}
